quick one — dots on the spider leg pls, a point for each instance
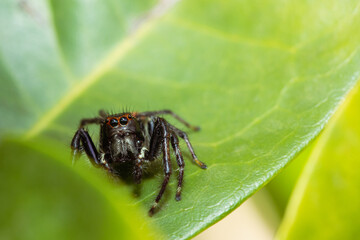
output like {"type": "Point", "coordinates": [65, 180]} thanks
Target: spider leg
{"type": "Point", "coordinates": [177, 117]}
{"type": "Point", "coordinates": [82, 141]}
{"type": "Point", "coordinates": [87, 121]}
{"type": "Point", "coordinates": [76, 146]}
{"type": "Point", "coordinates": [155, 141]}
{"type": "Point", "coordinates": [184, 136]}
{"type": "Point", "coordinates": [166, 162]}
{"type": "Point", "coordinates": [138, 170]}
{"type": "Point", "coordinates": [138, 165]}
{"type": "Point", "coordinates": [82, 136]}
{"type": "Point", "coordinates": [154, 147]}
{"type": "Point", "coordinates": [180, 162]}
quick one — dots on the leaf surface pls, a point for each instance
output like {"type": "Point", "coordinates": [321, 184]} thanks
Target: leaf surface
{"type": "Point", "coordinates": [260, 78]}
{"type": "Point", "coordinates": [47, 48]}
{"type": "Point", "coordinates": [281, 187]}
{"type": "Point", "coordinates": [323, 202]}
{"type": "Point", "coordinates": [44, 197]}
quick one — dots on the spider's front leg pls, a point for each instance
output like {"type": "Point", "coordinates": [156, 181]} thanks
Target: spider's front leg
{"type": "Point", "coordinates": [166, 162]}
{"type": "Point", "coordinates": [82, 141]}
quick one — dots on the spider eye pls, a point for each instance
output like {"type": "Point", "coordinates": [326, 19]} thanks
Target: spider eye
{"type": "Point", "coordinates": [114, 122]}
{"type": "Point", "coordinates": [123, 121]}
{"type": "Point", "coordinates": [129, 116]}
{"type": "Point", "coordinates": [138, 143]}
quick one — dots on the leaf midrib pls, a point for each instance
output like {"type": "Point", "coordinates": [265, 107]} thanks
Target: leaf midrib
{"type": "Point", "coordinates": [115, 55]}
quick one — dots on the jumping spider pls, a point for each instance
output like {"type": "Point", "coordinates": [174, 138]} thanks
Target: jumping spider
{"type": "Point", "coordinates": [135, 138]}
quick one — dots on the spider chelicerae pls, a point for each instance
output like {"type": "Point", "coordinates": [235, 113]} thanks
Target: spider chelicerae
{"type": "Point", "coordinates": [135, 138]}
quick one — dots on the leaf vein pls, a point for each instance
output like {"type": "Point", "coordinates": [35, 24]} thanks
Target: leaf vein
{"type": "Point", "coordinates": [198, 27]}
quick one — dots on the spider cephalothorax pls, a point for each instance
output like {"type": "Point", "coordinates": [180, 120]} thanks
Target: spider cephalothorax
{"type": "Point", "coordinates": [133, 139]}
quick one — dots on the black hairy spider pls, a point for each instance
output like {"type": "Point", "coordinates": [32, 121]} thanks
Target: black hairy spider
{"type": "Point", "coordinates": [135, 138]}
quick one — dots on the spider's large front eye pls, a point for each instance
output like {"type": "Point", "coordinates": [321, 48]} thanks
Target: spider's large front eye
{"type": "Point", "coordinates": [114, 122]}
{"type": "Point", "coordinates": [138, 143]}
{"type": "Point", "coordinates": [123, 121]}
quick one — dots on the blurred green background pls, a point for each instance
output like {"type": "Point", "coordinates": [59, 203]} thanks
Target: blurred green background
{"type": "Point", "coordinates": [270, 83]}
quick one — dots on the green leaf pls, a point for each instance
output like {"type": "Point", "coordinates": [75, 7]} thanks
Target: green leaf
{"type": "Point", "coordinates": [260, 78]}
{"type": "Point", "coordinates": [44, 197]}
{"type": "Point", "coordinates": [281, 187]}
{"type": "Point", "coordinates": [323, 204]}
{"type": "Point", "coordinates": [48, 47]}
